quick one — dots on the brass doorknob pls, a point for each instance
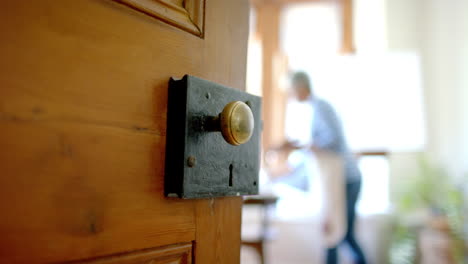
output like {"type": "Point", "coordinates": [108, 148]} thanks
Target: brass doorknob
{"type": "Point", "coordinates": [236, 123]}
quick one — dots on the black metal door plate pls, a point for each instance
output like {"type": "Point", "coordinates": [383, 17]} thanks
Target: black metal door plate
{"type": "Point", "coordinates": [199, 162]}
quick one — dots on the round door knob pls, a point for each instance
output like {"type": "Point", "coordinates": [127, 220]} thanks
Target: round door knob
{"type": "Point", "coordinates": [237, 123]}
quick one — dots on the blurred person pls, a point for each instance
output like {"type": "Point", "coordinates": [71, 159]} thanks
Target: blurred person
{"type": "Point", "coordinates": [328, 137]}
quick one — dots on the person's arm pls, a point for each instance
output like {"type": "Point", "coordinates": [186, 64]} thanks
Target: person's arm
{"type": "Point", "coordinates": [287, 146]}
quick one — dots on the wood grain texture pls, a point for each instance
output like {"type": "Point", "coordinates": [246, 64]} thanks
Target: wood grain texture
{"type": "Point", "coordinates": [218, 220]}
{"type": "Point", "coordinates": [83, 99]}
{"type": "Point", "coordinates": [173, 254]}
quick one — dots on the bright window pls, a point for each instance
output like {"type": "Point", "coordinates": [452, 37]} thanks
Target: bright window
{"type": "Point", "coordinates": [378, 95]}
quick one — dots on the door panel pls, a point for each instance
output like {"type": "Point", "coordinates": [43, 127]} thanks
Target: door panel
{"type": "Point", "coordinates": [175, 254]}
{"type": "Point", "coordinates": [187, 15]}
{"type": "Point", "coordinates": [83, 102]}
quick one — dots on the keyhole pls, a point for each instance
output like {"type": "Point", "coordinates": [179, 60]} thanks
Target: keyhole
{"type": "Point", "coordinates": [230, 175]}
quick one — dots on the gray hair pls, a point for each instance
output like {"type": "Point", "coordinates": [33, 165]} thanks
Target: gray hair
{"type": "Point", "coordinates": [301, 77]}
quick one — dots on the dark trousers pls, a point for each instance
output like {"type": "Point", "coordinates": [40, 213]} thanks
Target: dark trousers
{"type": "Point", "coordinates": [352, 193]}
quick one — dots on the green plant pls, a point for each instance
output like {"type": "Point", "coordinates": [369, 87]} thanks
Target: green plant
{"type": "Point", "coordinates": [432, 191]}
{"type": "Point", "coordinates": [403, 247]}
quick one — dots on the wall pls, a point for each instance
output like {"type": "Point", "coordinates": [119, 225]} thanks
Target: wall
{"type": "Point", "coordinates": [444, 43]}
{"type": "Point", "coordinates": [463, 86]}
{"type": "Point", "coordinates": [437, 30]}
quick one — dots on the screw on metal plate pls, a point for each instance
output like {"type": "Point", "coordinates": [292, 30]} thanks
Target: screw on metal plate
{"type": "Point", "coordinates": [191, 161]}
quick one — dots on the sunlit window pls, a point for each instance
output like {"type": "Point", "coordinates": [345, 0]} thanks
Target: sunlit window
{"type": "Point", "coordinates": [377, 95]}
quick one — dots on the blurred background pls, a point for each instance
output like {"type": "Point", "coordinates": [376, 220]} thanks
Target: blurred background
{"type": "Point", "coordinates": [396, 71]}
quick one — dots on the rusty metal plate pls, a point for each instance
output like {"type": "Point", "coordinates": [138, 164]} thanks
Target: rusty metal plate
{"type": "Point", "coordinates": [199, 162]}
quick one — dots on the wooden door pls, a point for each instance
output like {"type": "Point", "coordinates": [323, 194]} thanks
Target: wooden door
{"type": "Point", "coordinates": [83, 100]}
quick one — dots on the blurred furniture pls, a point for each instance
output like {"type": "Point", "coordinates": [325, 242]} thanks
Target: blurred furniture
{"type": "Point", "coordinates": [264, 202]}
{"type": "Point", "coordinates": [376, 153]}
{"type": "Point", "coordinates": [436, 242]}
